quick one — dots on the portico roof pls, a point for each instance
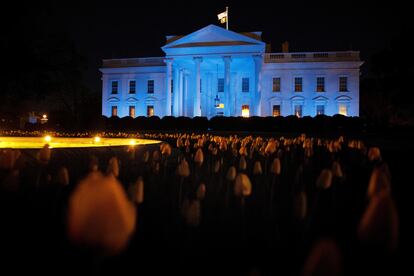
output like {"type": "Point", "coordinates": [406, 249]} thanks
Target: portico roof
{"type": "Point", "coordinates": [214, 39]}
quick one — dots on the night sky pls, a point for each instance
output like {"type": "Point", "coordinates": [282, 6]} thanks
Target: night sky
{"type": "Point", "coordinates": [122, 29]}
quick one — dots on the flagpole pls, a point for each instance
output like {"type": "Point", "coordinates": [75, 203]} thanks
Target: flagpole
{"type": "Point", "coordinates": [227, 21]}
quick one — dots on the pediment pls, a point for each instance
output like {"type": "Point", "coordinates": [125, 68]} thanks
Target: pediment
{"type": "Point", "coordinates": [275, 99]}
{"type": "Point", "coordinates": [320, 99]}
{"type": "Point", "coordinates": [211, 36]}
{"type": "Point", "coordinates": [343, 98]}
{"type": "Point", "coordinates": [112, 99]}
{"type": "Point", "coordinates": [150, 100]}
{"type": "Point", "coordinates": [132, 99]}
{"type": "Point", "coordinates": [297, 98]}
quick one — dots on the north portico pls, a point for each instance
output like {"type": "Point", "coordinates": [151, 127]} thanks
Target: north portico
{"type": "Point", "coordinates": [214, 71]}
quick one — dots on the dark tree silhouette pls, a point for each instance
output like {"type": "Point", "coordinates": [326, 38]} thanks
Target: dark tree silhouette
{"type": "Point", "coordinates": [386, 91]}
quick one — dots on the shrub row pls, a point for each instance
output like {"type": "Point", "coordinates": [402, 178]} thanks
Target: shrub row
{"type": "Point", "coordinates": [320, 124]}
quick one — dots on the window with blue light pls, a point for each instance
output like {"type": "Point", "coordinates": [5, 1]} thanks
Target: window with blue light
{"type": "Point", "coordinates": [245, 84]}
{"type": "Point", "coordinates": [298, 84]}
{"type": "Point", "coordinates": [320, 109]}
{"type": "Point", "coordinates": [114, 87]}
{"type": "Point", "coordinates": [150, 88]}
{"type": "Point", "coordinates": [220, 85]}
{"type": "Point", "coordinates": [132, 85]}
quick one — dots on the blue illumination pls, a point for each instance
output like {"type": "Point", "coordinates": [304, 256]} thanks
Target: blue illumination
{"type": "Point", "coordinates": [214, 67]}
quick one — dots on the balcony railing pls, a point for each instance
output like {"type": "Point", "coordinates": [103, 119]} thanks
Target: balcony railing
{"type": "Point", "coordinates": [311, 57]}
{"type": "Point", "coordinates": [133, 62]}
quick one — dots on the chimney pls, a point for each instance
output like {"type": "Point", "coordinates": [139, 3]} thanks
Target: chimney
{"type": "Point", "coordinates": [268, 48]}
{"type": "Point", "coordinates": [285, 47]}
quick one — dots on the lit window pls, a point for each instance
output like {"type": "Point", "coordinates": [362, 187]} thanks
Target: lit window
{"type": "Point", "coordinates": [220, 85]}
{"type": "Point", "coordinates": [343, 109]}
{"type": "Point", "coordinates": [114, 87]}
{"type": "Point", "coordinates": [320, 110]}
{"type": "Point", "coordinates": [276, 110]}
{"type": "Point", "coordinates": [298, 110]}
{"type": "Point", "coordinates": [150, 88]}
{"type": "Point", "coordinates": [343, 84]}
{"type": "Point", "coordinates": [298, 85]}
{"type": "Point", "coordinates": [320, 84]}
{"type": "Point", "coordinates": [132, 111]}
{"type": "Point", "coordinates": [245, 84]}
{"type": "Point", "coordinates": [245, 111]}
{"type": "Point", "coordinates": [150, 110]}
{"type": "Point", "coordinates": [276, 85]}
{"type": "Point", "coordinates": [114, 111]}
{"type": "Point", "coordinates": [132, 85]}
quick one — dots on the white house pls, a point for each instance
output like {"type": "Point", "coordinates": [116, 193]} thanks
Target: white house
{"type": "Point", "coordinates": [214, 71]}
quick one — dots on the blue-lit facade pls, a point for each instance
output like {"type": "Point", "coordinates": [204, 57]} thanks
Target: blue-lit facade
{"type": "Point", "coordinates": [215, 71]}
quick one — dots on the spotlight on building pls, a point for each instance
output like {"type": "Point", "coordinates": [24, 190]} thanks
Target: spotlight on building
{"type": "Point", "coordinates": [132, 142]}
{"type": "Point", "coordinates": [97, 139]}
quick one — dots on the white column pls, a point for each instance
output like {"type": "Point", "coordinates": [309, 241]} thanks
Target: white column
{"type": "Point", "coordinates": [180, 92]}
{"type": "Point", "coordinates": [258, 59]}
{"type": "Point", "coordinates": [197, 102]}
{"type": "Point", "coordinates": [176, 83]}
{"type": "Point", "coordinates": [227, 90]}
{"type": "Point", "coordinates": [168, 77]}
{"type": "Point", "coordinates": [185, 93]}
{"type": "Point", "coordinates": [210, 98]}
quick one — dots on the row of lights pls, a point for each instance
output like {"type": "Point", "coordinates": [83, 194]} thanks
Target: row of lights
{"type": "Point", "coordinates": [96, 139]}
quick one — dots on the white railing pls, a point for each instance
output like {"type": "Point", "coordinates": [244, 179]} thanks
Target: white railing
{"type": "Point", "coordinates": [311, 57]}
{"type": "Point", "coordinates": [132, 62]}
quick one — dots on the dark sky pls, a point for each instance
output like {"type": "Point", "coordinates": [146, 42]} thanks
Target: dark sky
{"type": "Point", "coordinates": [120, 28]}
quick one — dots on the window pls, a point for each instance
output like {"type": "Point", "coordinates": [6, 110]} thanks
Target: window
{"type": "Point", "coordinates": [114, 87]}
{"type": "Point", "coordinates": [245, 84]}
{"type": "Point", "coordinates": [320, 109]}
{"type": "Point", "coordinates": [320, 84]}
{"type": "Point", "coordinates": [245, 110]}
{"type": "Point", "coordinates": [132, 85]}
{"type": "Point", "coordinates": [298, 84]}
{"type": "Point", "coordinates": [114, 111]}
{"type": "Point", "coordinates": [343, 84]}
{"type": "Point", "coordinates": [220, 85]}
{"type": "Point", "coordinates": [172, 86]}
{"type": "Point", "coordinates": [343, 109]}
{"type": "Point", "coordinates": [276, 110]}
{"type": "Point", "coordinates": [150, 110]}
{"type": "Point", "coordinates": [201, 86]}
{"type": "Point", "coordinates": [150, 89]}
{"type": "Point", "coordinates": [276, 85]}
{"type": "Point", "coordinates": [132, 111]}
{"type": "Point", "coordinates": [298, 110]}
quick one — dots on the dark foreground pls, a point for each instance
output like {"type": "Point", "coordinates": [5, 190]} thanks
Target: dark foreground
{"type": "Point", "coordinates": [266, 231]}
